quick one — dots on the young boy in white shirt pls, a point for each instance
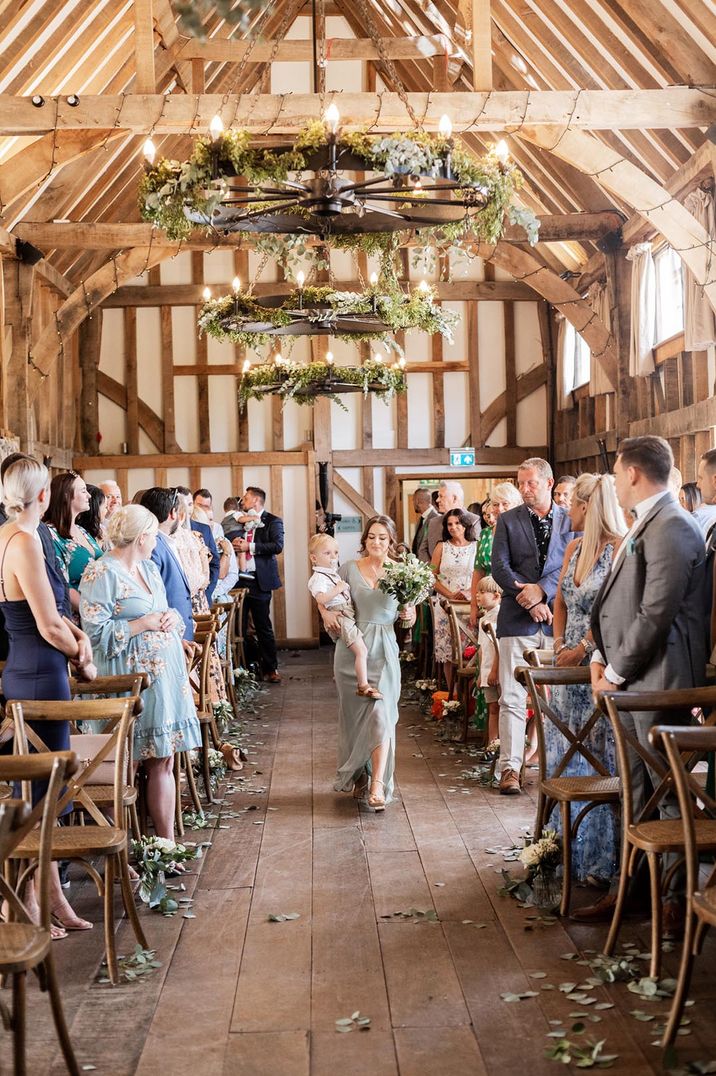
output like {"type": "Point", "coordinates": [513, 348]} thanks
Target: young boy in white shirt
{"type": "Point", "coordinates": [489, 595]}
{"type": "Point", "coordinates": [331, 592]}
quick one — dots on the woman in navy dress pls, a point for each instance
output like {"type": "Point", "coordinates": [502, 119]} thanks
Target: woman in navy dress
{"type": "Point", "coordinates": [41, 640]}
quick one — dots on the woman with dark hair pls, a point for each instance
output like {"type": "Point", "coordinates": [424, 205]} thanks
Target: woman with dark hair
{"type": "Point", "coordinates": [366, 727]}
{"type": "Point", "coordinates": [453, 563]}
{"type": "Point", "coordinates": [75, 546]}
{"type": "Point", "coordinates": [94, 517]}
{"type": "Point", "coordinates": [690, 496]}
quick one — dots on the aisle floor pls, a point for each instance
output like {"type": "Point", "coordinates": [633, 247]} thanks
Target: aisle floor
{"type": "Point", "coordinates": [239, 994]}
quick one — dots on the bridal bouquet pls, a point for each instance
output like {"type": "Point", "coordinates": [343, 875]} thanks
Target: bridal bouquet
{"type": "Point", "coordinates": [408, 580]}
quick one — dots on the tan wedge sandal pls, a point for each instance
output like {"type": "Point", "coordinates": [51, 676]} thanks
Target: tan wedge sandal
{"type": "Point", "coordinates": [376, 801]}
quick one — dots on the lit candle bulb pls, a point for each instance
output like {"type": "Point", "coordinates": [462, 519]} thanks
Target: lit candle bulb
{"type": "Point", "coordinates": [378, 357]}
{"type": "Point", "coordinates": [206, 294]}
{"type": "Point", "coordinates": [150, 151]}
{"type": "Point", "coordinates": [300, 279]}
{"type": "Point", "coordinates": [236, 285]}
{"type": "Point", "coordinates": [278, 359]}
{"type": "Point", "coordinates": [374, 280]}
{"type": "Point", "coordinates": [445, 127]}
{"type": "Point", "coordinates": [401, 362]}
{"type": "Point", "coordinates": [502, 151]}
{"type": "Point", "coordinates": [329, 358]}
{"type": "Point", "coordinates": [246, 367]}
{"type": "Point", "coordinates": [332, 117]}
{"type": "Point", "coordinates": [418, 186]}
{"type": "Point", "coordinates": [216, 127]}
{"type": "Point", "coordinates": [423, 286]}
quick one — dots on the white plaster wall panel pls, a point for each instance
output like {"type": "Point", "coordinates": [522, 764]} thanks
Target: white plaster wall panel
{"type": "Point", "coordinates": [498, 437]}
{"type": "Point", "coordinates": [111, 354]}
{"type": "Point", "coordinates": [146, 445]}
{"type": "Point", "coordinates": [176, 270]}
{"type": "Point", "coordinates": [218, 481]}
{"type": "Point", "coordinates": [223, 413]}
{"type": "Point", "coordinates": [261, 269]}
{"type": "Point", "coordinates": [342, 75]}
{"type": "Point", "coordinates": [184, 333]}
{"type": "Point", "coordinates": [491, 346]}
{"type": "Point", "coordinates": [149, 349]}
{"type": "Point", "coordinates": [219, 352]}
{"type": "Point", "coordinates": [295, 558]}
{"type": "Point", "coordinates": [343, 265]}
{"type": "Point", "coordinates": [261, 477]}
{"type": "Point", "coordinates": [384, 424]}
{"type": "Point", "coordinates": [94, 477]}
{"type": "Point", "coordinates": [418, 346]}
{"type": "Point", "coordinates": [379, 489]}
{"type": "Point", "coordinates": [457, 409]}
{"type": "Point", "coordinates": [219, 270]}
{"type": "Point", "coordinates": [344, 352]}
{"type": "Point", "coordinates": [532, 418]}
{"type": "Point", "coordinates": [420, 410]}
{"type": "Point", "coordinates": [259, 416]}
{"type": "Point", "coordinates": [178, 476]}
{"type": "Point", "coordinates": [346, 425]}
{"type": "Point", "coordinates": [465, 268]}
{"type": "Point", "coordinates": [139, 478]}
{"type": "Point", "coordinates": [457, 351]}
{"type": "Point", "coordinates": [528, 342]}
{"type": "Point", "coordinates": [112, 426]}
{"type": "Point", "coordinates": [295, 428]}
{"type": "Point", "coordinates": [186, 412]}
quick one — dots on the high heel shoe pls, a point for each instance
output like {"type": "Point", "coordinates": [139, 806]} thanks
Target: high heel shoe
{"type": "Point", "coordinates": [377, 802]}
{"type": "Point", "coordinates": [360, 787]}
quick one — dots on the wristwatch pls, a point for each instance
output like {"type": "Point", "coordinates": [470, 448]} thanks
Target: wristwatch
{"type": "Point", "coordinates": [589, 647]}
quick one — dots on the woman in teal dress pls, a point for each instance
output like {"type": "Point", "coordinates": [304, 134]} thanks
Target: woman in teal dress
{"type": "Point", "coordinates": [75, 546]}
{"type": "Point", "coordinates": [124, 611]}
{"type": "Point", "coordinates": [366, 727]}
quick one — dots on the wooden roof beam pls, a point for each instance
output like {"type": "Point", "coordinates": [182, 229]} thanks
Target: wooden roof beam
{"type": "Point", "coordinates": [674, 106]}
{"type": "Point", "coordinates": [146, 79]}
{"type": "Point", "coordinates": [421, 47]}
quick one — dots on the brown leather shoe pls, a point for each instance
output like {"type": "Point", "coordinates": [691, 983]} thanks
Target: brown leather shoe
{"type": "Point", "coordinates": [509, 783]}
{"type": "Point", "coordinates": [673, 919]}
{"type": "Point", "coordinates": [272, 677]}
{"type": "Point", "coordinates": [601, 911]}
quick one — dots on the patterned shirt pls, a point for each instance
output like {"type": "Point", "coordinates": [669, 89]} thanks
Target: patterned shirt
{"type": "Point", "coordinates": [542, 527]}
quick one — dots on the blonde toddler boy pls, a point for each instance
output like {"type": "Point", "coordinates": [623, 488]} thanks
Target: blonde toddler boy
{"type": "Point", "coordinates": [489, 595]}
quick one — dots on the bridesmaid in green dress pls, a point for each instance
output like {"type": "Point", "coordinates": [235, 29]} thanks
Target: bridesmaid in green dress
{"type": "Point", "coordinates": [366, 727]}
{"type": "Point", "coordinates": [75, 546]}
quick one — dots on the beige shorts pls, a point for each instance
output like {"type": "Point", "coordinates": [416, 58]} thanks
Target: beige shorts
{"type": "Point", "coordinates": [490, 694]}
{"type": "Point", "coordinates": [349, 631]}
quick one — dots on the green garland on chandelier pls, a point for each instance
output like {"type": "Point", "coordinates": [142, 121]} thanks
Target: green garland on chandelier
{"type": "Point", "coordinates": [198, 184]}
{"type": "Point", "coordinates": [303, 382]}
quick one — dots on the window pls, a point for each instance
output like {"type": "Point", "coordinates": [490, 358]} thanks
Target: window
{"type": "Point", "coordinates": [669, 294]}
{"type": "Point", "coordinates": [576, 359]}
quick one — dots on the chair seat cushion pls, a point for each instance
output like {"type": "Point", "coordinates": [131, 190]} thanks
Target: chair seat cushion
{"type": "Point", "coordinates": [667, 834]}
{"type": "Point", "coordinates": [578, 789]}
{"type": "Point", "coordinates": [78, 841]}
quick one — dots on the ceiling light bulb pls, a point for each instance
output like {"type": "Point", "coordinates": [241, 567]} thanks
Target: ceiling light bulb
{"type": "Point", "coordinates": [377, 357]}
{"type": "Point", "coordinates": [418, 185]}
{"type": "Point", "coordinates": [329, 358]}
{"type": "Point", "coordinates": [332, 117]}
{"type": "Point", "coordinates": [216, 127]}
{"type": "Point", "coordinates": [374, 280]}
{"type": "Point", "coordinates": [424, 286]}
{"type": "Point", "coordinates": [150, 151]}
{"type": "Point", "coordinates": [502, 151]}
{"type": "Point", "coordinates": [206, 294]}
{"type": "Point", "coordinates": [247, 366]}
{"type": "Point", "coordinates": [445, 127]}
{"type": "Point", "coordinates": [300, 278]}
{"type": "Point", "coordinates": [278, 359]}
{"type": "Point", "coordinates": [401, 363]}
{"type": "Point", "coordinates": [236, 285]}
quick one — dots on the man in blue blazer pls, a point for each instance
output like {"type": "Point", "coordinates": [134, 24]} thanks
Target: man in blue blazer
{"type": "Point", "coordinates": [163, 503]}
{"type": "Point", "coordinates": [261, 544]}
{"type": "Point", "coordinates": [527, 554]}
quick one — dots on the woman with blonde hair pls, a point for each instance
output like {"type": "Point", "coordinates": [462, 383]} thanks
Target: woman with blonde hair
{"type": "Point", "coordinates": [587, 562]}
{"type": "Point", "coordinates": [504, 496]}
{"type": "Point", "coordinates": [124, 609]}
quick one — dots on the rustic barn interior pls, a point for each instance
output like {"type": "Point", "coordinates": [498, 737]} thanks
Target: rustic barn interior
{"type": "Point", "coordinates": [608, 109]}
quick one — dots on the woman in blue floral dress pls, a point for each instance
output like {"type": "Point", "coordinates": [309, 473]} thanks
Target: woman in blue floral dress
{"type": "Point", "coordinates": [124, 611]}
{"type": "Point", "coordinates": [587, 563]}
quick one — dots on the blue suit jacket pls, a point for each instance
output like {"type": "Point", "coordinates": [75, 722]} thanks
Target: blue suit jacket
{"type": "Point", "coordinates": [268, 543]}
{"type": "Point", "coordinates": [205, 531]}
{"type": "Point", "coordinates": [515, 558]}
{"type": "Point", "coordinates": [175, 583]}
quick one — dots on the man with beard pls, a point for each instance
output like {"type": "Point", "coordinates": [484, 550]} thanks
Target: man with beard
{"type": "Point", "coordinates": [163, 503]}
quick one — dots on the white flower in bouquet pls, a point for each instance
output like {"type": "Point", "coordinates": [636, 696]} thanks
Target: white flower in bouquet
{"type": "Point", "coordinates": [544, 856]}
{"type": "Point", "coordinates": [407, 579]}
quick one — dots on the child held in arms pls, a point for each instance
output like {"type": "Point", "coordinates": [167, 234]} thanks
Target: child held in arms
{"type": "Point", "coordinates": [332, 593]}
{"type": "Point", "coordinates": [489, 595]}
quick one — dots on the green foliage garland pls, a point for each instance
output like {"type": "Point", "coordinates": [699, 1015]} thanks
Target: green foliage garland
{"type": "Point", "coordinates": [303, 382]}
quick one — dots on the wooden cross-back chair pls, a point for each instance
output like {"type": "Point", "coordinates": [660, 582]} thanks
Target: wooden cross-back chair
{"type": "Point", "coordinates": [98, 788]}
{"type": "Point", "coordinates": [681, 745]}
{"type": "Point", "coordinates": [236, 632]}
{"type": "Point", "coordinates": [199, 678]}
{"type": "Point", "coordinates": [642, 833]}
{"type": "Point", "coordinates": [24, 945]}
{"type": "Point", "coordinates": [464, 669]}
{"type": "Point", "coordinates": [79, 844]}
{"type": "Point", "coordinates": [558, 788]}
{"type": "Point", "coordinates": [225, 613]}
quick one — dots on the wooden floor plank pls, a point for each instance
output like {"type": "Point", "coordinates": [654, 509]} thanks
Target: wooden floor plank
{"type": "Point", "coordinates": [438, 1051]}
{"type": "Point", "coordinates": [423, 986]}
{"type": "Point", "coordinates": [364, 1053]}
{"type": "Point", "coordinates": [263, 1053]}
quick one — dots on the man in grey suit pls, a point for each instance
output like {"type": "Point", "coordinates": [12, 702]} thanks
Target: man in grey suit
{"type": "Point", "coordinates": [647, 620]}
{"type": "Point", "coordinates": [527, 554]}
{"type": "Point", "coordinates": [450, 495]}
{"type": "Point", "coordinates": [424, 510]}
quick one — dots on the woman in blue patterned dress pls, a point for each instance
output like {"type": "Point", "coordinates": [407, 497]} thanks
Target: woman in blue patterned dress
{"type": "Point", "coordinates": [587, 562]}
{"type": "Point", "coordinates": [75, 546]}
{"type": "Point", "coordinates": [124, 611]}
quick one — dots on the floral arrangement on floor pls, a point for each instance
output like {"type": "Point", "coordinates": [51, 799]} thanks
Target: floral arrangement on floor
{"type": "Point", "coordinates": [155, 857]}
{"type": "Point", "coordinates": [451, 709]}
{"type": "Point", "coordinates": [426, 686]}
{"type": "Point", "coordinates": [217, 766]}
{"type": "Point", "coordinates": [199, 184]}
{"type": "Point", "coordinates": [408, 580]}
{"type": "Point", "coordinates": [542, 856]}
{"type": "Point", "coordinates": [223, 714]}
{"type": "Point", "coordinates": [302, 382]}
{"type": "Point", "coordinates": [244, 320]}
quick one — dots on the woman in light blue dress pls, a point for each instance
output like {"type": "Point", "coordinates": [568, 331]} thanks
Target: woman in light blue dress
{"type": "Point", "coordinates": [124, 611]}
{"type": "Point", "coordinates": [587, 563]}
{"type": "Point", "coordinates": [366, 727]}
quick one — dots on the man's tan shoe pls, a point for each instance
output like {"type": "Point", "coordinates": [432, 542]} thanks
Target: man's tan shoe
{"type": "Point", "coordinates": [509, 783]}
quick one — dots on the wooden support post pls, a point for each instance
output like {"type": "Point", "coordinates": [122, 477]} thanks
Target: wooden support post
{"type": "Point", "coordinates": [130, 377]}
{"type": "Point", "coordinates": [401, 404]}
{"type": "Point", "coordinates": [146, 80]}
{"type": "Point", "coordinates": [197, 270]}
{"type": "Point", "coordinates": [392, 507]}
{"type": "Point", "coordinates": [619, 284]}
{"type": "Point", "coordinates": [549, 359]}
{"type": "Point", "coordinates": [167, 376]}
{"type": "Point", "coordinates": [90, 342]}
{"type": "Point", "coordinates": [18, 290]}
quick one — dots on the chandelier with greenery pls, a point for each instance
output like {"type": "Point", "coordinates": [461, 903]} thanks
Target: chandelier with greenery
{"type": "Point", "coordinates": [302, 382]}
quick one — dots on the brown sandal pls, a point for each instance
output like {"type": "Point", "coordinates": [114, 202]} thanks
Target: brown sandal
{"type": "Point", "coordinates": [369, 692]}
{"type": "Point", "coordinates": [233, 756]}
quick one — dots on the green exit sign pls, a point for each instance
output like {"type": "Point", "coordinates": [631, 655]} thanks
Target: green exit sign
{"type": "Point", "coordinates": [462, 457]}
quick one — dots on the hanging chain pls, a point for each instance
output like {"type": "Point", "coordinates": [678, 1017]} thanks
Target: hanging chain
{"type": "Point", "coordinates": [388, 64]}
